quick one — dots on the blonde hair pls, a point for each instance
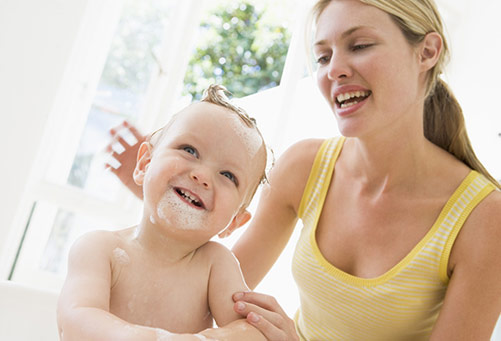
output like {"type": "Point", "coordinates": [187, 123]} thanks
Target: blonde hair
{"type": "Point", "coordinates": [216, 94]}
{"type": "Point", "coordinates": [443, 119]}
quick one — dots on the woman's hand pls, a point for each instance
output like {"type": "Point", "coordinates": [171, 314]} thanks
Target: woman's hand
{"type": "Point", "coordinates": [127, 157]}
{"type": "Point", "coordinates": [264, 313]}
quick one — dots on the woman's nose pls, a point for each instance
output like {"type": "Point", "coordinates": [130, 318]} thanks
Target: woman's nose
{"type": "Point", "coordinates": [338, 67]}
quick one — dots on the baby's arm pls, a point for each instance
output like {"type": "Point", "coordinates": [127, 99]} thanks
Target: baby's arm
{"type": "Point", "coordinates": [84, 302]}
{"type": "Point", "coordinates": [226, 279]}
{"type": "Point", "coordinates": [83, 307]}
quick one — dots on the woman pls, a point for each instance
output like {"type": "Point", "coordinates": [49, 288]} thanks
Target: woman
{"type": "Point", "coordinates": [401, 238]}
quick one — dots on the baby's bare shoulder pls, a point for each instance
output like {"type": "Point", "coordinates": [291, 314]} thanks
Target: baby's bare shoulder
{"type": "Point", "coordinates": [216, 252]}
{"type": "Point", "coordinates": [98, 241]}
{"type": "Point", "coordinates": [214, 248]}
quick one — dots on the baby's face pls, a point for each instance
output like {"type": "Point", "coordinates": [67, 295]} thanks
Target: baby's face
{"type": "Point", "coordinates": [203, 170]}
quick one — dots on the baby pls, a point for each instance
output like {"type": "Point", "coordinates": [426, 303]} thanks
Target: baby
{"type": "Point", "coordinates": [164, 277]}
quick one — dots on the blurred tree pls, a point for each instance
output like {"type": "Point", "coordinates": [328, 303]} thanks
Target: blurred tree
{"type": "Point", "coordinates": [130, 61]}
{"type": "Point", "coordinates": [238, 51]}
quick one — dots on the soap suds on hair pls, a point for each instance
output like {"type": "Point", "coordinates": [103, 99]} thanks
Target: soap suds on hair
{"type": "Point", "coordinates": [172, 209]}
{"type": "Point", "coordinates": [249, 136]}
{"type": "Point", "coordinates": [121, 256]}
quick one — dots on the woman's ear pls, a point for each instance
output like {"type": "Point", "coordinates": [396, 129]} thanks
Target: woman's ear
{"type": "Point", "coordinates": [143, 160]}
{"type": "Point", "coordinates": [240, 219]}
{"type": "Point", "coordinates": [430, 49]}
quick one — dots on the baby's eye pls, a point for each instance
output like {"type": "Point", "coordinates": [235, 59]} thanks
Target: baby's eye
{"type": "Point", "coordinates": [190, 150]}
{"type": "Point", "coordinates": [230, 176]}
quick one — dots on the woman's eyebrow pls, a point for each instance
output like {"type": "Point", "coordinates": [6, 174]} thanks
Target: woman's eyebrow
{"type": "Point", "coordinates": [354, 29]}
{"type": "Point", "coordinates": [345, 33]}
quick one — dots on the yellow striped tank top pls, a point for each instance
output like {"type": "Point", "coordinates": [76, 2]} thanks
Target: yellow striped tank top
{"type": "Point", "coordinates": [403, 303]}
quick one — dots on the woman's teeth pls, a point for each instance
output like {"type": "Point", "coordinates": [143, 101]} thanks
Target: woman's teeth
{"type": "Point", "coordinates": [350, 98]}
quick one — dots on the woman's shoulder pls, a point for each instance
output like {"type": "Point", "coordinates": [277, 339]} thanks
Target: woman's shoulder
{"type": "Point", "coordinates": [289, 175]}
{"type": "Point", "coordinates": [480, 236]}
{"type": "Point", "coordinates": [301, 153]}
{"type": "Point", "coordinates": [488, 212]}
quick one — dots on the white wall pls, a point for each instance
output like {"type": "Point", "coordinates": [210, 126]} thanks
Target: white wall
{"type": "Point", "coordinates": [474, 73]}
{"type": "Point", "coordinates": [36, 39]}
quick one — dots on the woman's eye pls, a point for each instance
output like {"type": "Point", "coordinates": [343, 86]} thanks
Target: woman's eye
{"type": "Point", "coordinates": [360, 47]}
{"type": "Point", "coordinates": [323, 60]}
{"type": "Point", "coordinates": [230, 176]}
{"type": "Point", "coordinates": [190, 150]}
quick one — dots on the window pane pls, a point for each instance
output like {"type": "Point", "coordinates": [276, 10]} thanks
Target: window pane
{"type": "Point", "coordinates": [242, 45]}
{"type": "Point", "coordinates": [121, 90]}
{"type": "Point", "coordinates": [66, 228]}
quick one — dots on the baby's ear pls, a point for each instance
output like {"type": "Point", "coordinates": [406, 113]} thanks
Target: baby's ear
{"type": "Point", "coordinates": [240, 219]}
{"type": "Point", "coordinates": [143, 160]}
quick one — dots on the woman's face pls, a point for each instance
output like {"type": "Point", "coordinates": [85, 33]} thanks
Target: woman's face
{"type": "Point", "coordinates": [367, 70]}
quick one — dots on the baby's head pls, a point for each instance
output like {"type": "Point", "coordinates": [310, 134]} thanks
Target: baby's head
{"type": "Point", "coordinates": [201, 170]}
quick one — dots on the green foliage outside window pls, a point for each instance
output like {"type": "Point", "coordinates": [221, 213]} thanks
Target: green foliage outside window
{"type": "Point", "coordinates": [239, 51]}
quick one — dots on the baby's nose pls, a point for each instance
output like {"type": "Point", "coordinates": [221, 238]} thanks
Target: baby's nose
{"type": "Point", "coordinates": [200, 178]}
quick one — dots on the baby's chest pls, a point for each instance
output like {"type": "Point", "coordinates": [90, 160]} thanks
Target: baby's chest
{"type": "Point", "coordinates": [172, 299]}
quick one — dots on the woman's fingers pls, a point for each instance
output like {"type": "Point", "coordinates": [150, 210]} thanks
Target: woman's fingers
{"type": "Point", "coordinates": [117, 133]}
{"type": "Point", "coordinates": [140, 137]}
{"type": "Point", "coordinates": [264, 313]}
{"type": "Point", "coordinates": [265, 301]}
{"type": "Point", "coordinates": [255, 311]}
{"type": "Point", "coordinates": [268, 329]}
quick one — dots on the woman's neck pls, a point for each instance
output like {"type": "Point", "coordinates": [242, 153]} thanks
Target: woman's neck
{"type": "Point", "coordinates": [397, 161]}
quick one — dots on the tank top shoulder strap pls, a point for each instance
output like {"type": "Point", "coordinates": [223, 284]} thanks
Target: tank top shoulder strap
{"type": "Point", "coordinates": [470, 193]}
{"type": "Point", "coordinates": [320, 174]}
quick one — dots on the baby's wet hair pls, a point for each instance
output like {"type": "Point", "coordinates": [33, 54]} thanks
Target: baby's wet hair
{"type": "Point", "coordinates": [216, 94]}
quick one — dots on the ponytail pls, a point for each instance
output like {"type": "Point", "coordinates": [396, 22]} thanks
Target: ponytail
{"type": "Point", "coordinates": [445, 127]}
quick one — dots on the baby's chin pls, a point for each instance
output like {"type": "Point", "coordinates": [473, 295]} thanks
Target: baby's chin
{"type": "Point", "coordinates": [177, 212]}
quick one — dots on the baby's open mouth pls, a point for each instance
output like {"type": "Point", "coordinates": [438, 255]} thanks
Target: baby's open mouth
{"type": "Point", "coordinates": [351, 98]}
{"type": "Point", "coordinates": [189, 197]}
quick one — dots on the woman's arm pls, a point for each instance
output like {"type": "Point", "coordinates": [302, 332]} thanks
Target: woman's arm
{"type": "Point", "coordinates": [261, 245]}
{"type": "Point", "coordinates": [473, 300]}
{"type": "Point", "coordinates": [270, 229]}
